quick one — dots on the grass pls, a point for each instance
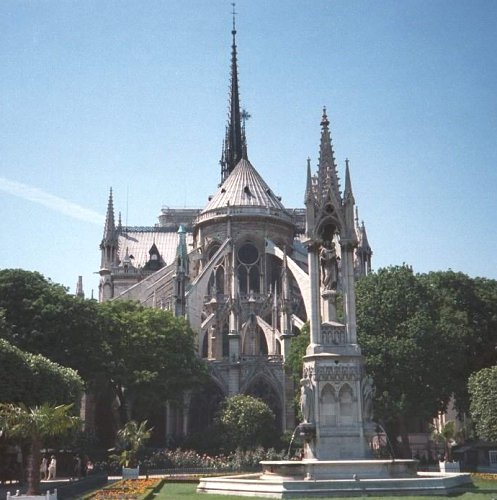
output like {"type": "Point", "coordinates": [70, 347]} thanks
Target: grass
{"type": "Point", "coordinates": [484, 490]}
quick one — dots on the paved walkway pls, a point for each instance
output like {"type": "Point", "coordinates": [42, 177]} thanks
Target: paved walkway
{"type": "Point", "coordinates": [44, 486]}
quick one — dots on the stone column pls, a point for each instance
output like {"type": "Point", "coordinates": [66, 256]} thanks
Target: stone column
{"type": "Point", "coordinates": [349, 296]}
{"type": "Point", "coordinates": [315, 287]}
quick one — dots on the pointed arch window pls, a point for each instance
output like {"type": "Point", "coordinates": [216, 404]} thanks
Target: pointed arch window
{"type": "Point", "coordinates": [329, 405]}
{"type": "Point", "coordinates": [346, 404]}
{"type": "Point", "coordinates": [248, 268]}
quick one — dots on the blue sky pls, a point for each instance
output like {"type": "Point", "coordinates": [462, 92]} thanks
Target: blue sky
{"type": "Point", "coordinates": [133, 95]}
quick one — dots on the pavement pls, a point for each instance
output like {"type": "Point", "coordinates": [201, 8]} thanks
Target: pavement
{"type": "Point", "coordinates": [45, 485]}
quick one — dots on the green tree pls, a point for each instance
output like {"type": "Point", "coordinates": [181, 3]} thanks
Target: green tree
{"type": "Point", "coordinates": [466, 310]}
{"type": "Point", "coordinates": [42, 318]}
{"type": "Point", "coordinates": [399, 335]}
{"type": "Point", "coordinates": [35, 425]}
{"type": "Point", "coordinates": [33, 380]}
{"type": "Point", "coordinates": [482, 387]}
{"type": "Point", "coordinates": [247, 422]}
{"type": "Point", "coordinates": [143, 356]}
{"type": "Point", "coordinates": [295, 358]}
{"type": "Point", "coordinates": [153, 356]}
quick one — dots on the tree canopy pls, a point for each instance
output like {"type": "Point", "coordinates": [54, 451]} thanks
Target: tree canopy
{"type": "Point", "coordinates": [247, 422]}
{"type": "Point", "coordinates": [483, 394]}
{"type": "Point", "coordinates": [421, 336]}
{"type": "Point", "coordinates": [33, 379]}
{"type": "Point", "coordinates": [153, 355]}
{"type": "Point", "coordinates": [42, 318]}
{"type": "Point", "coordinates": [113, 346]}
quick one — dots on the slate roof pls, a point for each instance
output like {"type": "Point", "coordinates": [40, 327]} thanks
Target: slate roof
{"type": "Point", "coordinates": [139, 243]}
{"type": "Point", "coordinates": [244, 187]}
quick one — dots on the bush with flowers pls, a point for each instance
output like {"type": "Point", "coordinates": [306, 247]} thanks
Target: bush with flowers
{"type": "Point", "coordinates": [128, 489]}
{"type": "Point", "coordinates": [236, 460]}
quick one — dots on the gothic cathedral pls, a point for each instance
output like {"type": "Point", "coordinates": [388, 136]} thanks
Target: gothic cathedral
{"type": "Point", "coordinates": [238, 270]}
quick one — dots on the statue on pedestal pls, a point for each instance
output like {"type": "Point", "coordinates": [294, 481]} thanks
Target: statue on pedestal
{"type": "Point", "coordinates": [329, 266]}
{"type": "Point", "coordinates": [307, 400]}
{"type": "Point", "coordinates": [368, 392]}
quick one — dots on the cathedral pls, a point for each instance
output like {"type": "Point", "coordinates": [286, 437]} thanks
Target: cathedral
{"type": "Point", "coordinates": [237, 269]}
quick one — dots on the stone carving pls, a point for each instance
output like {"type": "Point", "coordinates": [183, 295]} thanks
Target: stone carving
{"type": "Point", "coordinates": [332, 335]}
{"type": "Point", "coordinates": [329, 267]}
{"type": "Point", "coordinates": [368, 392]}
{"type": "Point", "coordinates": [307, 400]}
{"type": "Point", "coordinates": [337, 373]}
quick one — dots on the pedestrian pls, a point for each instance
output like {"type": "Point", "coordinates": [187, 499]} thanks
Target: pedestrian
{"type": "Point", "coordinates": [43, 468]}
{"type": "Point", "coordinates": [77, 467]}
{"type": "Point", "coordinates": [52, 468]}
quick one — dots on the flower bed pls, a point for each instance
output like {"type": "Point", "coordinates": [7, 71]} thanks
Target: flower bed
{"type": "Point", "coordinates": [130, 489]}
{"type": "Point", "coordinates": [485, 476]}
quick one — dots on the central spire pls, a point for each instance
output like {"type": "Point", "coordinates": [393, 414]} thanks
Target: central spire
{"type": "Point", "coordinates": [233, 149]}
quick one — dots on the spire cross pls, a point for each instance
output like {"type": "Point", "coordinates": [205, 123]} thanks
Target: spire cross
{"type": "Point", "coordinates": [245, 115]}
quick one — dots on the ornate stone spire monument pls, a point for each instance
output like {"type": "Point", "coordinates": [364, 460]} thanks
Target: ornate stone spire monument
{"type": "Point", "coordinates": [336, 396]}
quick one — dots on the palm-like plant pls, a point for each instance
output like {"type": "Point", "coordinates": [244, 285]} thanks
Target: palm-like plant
{"type": "Point", "coordinates": [132, 436]}
{"type": "Point", "coordinates": [35, 425]}
{"type": "Point", "coordinates": [446, 435]}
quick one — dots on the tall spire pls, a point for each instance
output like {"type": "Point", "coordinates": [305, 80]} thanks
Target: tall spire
{"type": "Point", "coordinates": [233, 147]}
{"type": "Point", "coordinates": [309, 192]}
{"type": "Point", "coordinates": [109, 244]}
{"type": "Point", "coordinates": [327, 169]}
{"type": "Point", "coordinates": [347, 192]}
{"type": "Point", "coordinates": [110, 225]}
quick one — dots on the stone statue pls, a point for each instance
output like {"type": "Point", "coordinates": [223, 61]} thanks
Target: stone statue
{"type": "Point", "coordinates": [307, 400]}
{"type": "Point", "coordinates": [368, 392]}
{"type": "Point", "coordinates": [329, 266]}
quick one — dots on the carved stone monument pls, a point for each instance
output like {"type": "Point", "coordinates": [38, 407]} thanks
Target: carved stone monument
{"type": "Point", "coordinates": [336, 395]}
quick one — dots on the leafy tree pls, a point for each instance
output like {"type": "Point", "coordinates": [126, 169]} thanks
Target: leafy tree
{"type": "Point", "coordinates": [42, 318]}
{"type": "Point", "coordinates": [466, 311]}
{"type": "Point", "coordinates": [132, 437]}
{"type": "Point", "coordinates": [247, 422]}
{"type": "Point", "coordinates": [482, 387]}
{"type": "Point", "coordinates": [153, 356]}
{"type": "Point", "coordinates": [401, 341]}
{"type": "Point", "coordinates": [422, 336]}
{"type": "Point", "coordinates": [33, 380]}
{"type": "Point", "coordinates": [294, 360]}
{"type": "Point", "coordinates": [35, 425]}
{"type": "Point", "coordinates": [113, 346]}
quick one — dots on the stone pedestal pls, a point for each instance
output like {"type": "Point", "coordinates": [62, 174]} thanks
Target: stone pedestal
{"type": "Point", "coordinates": [333, 369]}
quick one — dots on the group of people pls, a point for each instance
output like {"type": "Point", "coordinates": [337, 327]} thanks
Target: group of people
{"type": "Point", "coordinates": [48, 468]}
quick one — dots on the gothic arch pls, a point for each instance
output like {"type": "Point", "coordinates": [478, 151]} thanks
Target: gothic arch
{"type": "Point", "coordinates": [254, 341]}
{"type": "Point", "coordinates": [261, 387]}
{"type": "Point", "coordinates": [347, 403]}
{"type": "Point", "coordinates": [204, 405]}
{"type": "Point", "coordinates": [329, 406]}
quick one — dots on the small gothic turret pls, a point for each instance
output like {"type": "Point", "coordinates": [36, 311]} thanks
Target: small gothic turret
{"type": "Point", "coordinates": [348, 204]}
{"type": "Point", "coordinates": [109, 244]}
{"type": "Point", "coordinates": [181, 273]}
{"type": "Point", "coordinates": [363, 251]}
{"type": "Point", "coordinates": [234, 143]}
{"type": "Point", "coordinates": [109, 248]}
{"type": "Point", "coordinates": [79, 288]}
{"type": "Point", "coordinates": [328, 181]}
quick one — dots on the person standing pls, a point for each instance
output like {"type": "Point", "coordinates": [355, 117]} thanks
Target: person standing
{"type": "Point", "coordinates": [52, 467]}
{"type": "Point", "coordinates": [43, 468]}
{"type": "Point", "coordinates": [77, 467]}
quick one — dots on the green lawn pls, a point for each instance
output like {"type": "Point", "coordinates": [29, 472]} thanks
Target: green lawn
{"type": "Point", "coordinates": [484, 490]}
